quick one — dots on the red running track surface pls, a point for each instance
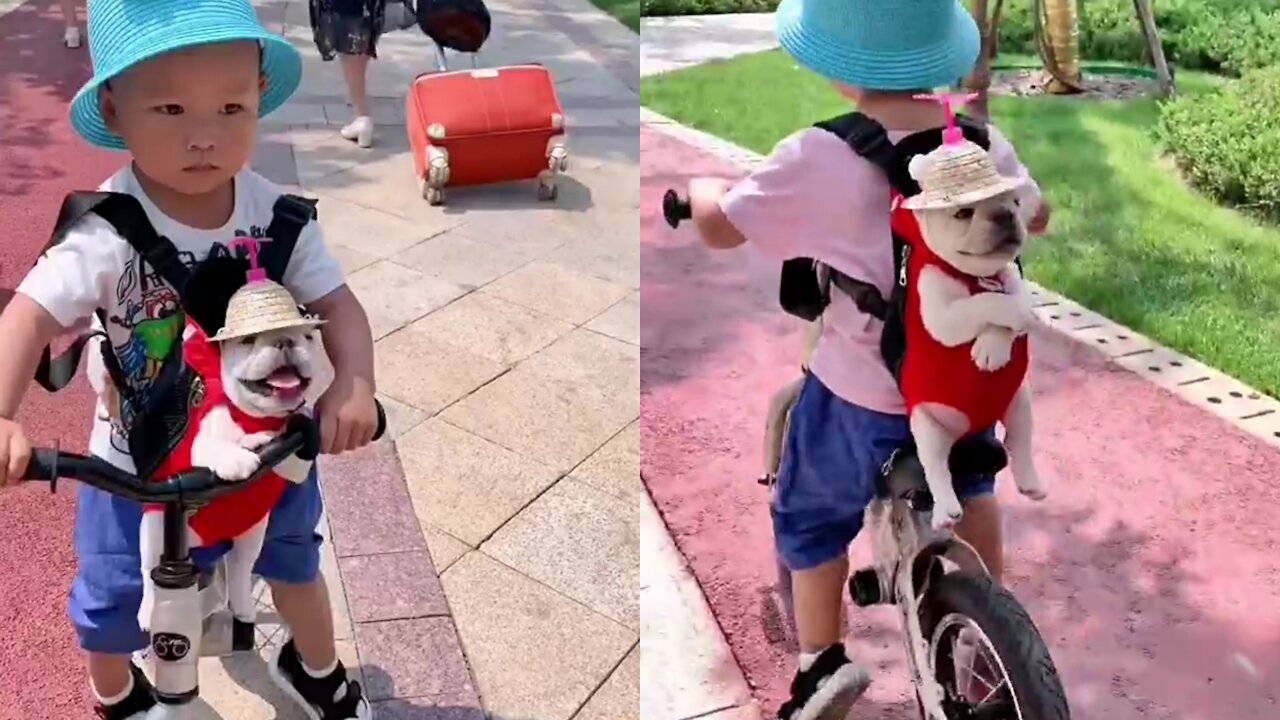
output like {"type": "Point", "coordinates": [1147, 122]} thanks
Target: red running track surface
{"type": "Point", "coordinates": [1152, 570]}
{"type": "Point", "coordinates": [41, 158]}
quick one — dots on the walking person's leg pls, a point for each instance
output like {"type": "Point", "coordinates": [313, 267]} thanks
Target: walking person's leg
{"type": "Point", "coordinates": [355, 69]}
{"type": "Point", "coordinates": [71, 37]}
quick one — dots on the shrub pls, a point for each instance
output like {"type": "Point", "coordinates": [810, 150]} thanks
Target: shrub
{"type": "Point", "coordinates": [705, 7]}
{"type": "Point", "coordinates": [1230, 36]}
{"type": "Point", "coordinates": [1227, 142]}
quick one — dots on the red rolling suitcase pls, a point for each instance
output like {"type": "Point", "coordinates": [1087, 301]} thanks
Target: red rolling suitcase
{"type": "Point", "coordinates": [486, 125]}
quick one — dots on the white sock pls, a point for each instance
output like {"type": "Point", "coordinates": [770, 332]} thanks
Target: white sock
{"type": "Point", "coordinates": [319, 673]}
{"type": "Point", "coordinates": [128, 688]}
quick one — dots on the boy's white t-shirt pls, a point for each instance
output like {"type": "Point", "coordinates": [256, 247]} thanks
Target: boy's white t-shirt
{"type": "Point", "coordinates": [93, 267]}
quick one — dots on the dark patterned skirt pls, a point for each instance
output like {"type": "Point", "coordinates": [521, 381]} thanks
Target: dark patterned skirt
{"type": "Point", "coordinates": [347, 27]}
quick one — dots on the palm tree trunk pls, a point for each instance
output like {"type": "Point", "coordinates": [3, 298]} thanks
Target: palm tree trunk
{"type": "Point", "coordinates": [1060, 44]}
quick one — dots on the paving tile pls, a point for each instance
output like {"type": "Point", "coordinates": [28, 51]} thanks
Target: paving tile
{"type": "Point", "coordinates": [458, 257]}
{"type": "Point", "coordinates": [412, 658]}
{"type": "Point", "coordinates": [442, 707]}
{"type": "Point", "coordinates": [392, 586]}
{"type": "Point", "coordinates": [615, 467]}
{"type": "Point", "coordinates": [369, 230]}
{"type": "Point", "coordinates": [273, 158]}
{"type": "Point", "coordinates": [556, 422]}
{"type": "Point", "coordinates": [394, 296]}
{"type": "Point", "coordinates": [321, 152]}
{"type": "Point", "coordinates": [401, 418]}
{"type": "Point", "coordinates": [534, 652]}
{"type": "Point", "coordinates": [342, 625]}
{"type": "Point", "coordinates": [581, 542]}
{"type": "Point", "coordinates": [619, 697]}
{"type": "Point", "coordinates": [427, 373]}
{"type": "Point", "coordinates": [557, 291]}
{"type": "Point", "coordinates": [492, 328]}
{"type": "Point", "coordinates": [445, 548]}
{"type": "Point", "coordinates": [605, 365]}
{"type": "Point", "coordinates": [464, 484]}
{"type": "Point", "coordinates": [622, 321]}
{"type": "Point", "coordinates": [350, 259]}
{"type": "Point", "coordinates": [367, 503]}
{"type": "Point", "coordinates": [614, 260]}
{"type": "Point", "coordinates": [385, 181]}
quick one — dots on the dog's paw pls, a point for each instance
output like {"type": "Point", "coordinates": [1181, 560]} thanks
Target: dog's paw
{"type": "Point", "coordinates": [992, 349]}
{"type": "Point", "coordinates": [1030, 483]}
{"type": "Point", "coordinates": [255, 441]}
{"type": "Point", "coordinates": [947, 511]}
{"type": "Point", "coordinates": [236, 463]}
{"type": "Point", "coordinates": [148, 605]}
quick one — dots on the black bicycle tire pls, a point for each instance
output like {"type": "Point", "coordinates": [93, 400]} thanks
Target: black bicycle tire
{"type": "Point", "coordinates": [1012, 633]}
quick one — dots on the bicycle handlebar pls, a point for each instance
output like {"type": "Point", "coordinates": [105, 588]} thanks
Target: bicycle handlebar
{"type": "Point", "coordinates": [675, 208]}
{"type": "Point", "coordinates": [191, 487]}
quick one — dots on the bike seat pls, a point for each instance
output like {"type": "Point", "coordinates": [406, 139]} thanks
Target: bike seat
{"type": "Point", "coordinates": [903, 477]}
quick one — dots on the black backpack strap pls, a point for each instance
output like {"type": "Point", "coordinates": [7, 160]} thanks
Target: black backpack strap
{"type": "Point", "coordinates": [130, 221]}
{"type": "Point", "coordinates": [289, 216]}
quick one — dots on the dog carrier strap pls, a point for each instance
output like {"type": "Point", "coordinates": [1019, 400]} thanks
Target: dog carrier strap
{"type": "Point", "coordinates": [130, 221]}
{"type": "Point", "coordinates": [289, 216]}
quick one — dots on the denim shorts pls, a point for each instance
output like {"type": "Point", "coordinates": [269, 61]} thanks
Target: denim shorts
{"type": "Point", "coordinates": [107, 590]}
{"type": "Point", "coordinates": [831, 462]}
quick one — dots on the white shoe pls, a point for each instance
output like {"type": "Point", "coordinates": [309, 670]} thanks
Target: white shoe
{"type": "Point", "coordinates": [360, 130]}
{"type": "Point", "coordinates": [71, 38]}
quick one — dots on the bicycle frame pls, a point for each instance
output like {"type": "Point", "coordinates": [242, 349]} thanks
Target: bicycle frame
{"type": "Point", "coordinates": [904, 547]}
{"type": "Point", "coordinates": [179, 612]}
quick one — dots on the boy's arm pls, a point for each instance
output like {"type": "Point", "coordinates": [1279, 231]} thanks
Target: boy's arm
{"type": "Point", "coordinates": [347, 411]}
{"type": "Point", "coordinates": [27, 328]}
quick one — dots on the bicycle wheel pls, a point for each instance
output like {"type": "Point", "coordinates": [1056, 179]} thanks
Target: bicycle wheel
{"type": "Point", "coordinates": [986, 653]}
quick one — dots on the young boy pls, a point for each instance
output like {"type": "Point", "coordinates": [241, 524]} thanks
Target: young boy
{"type": "Point", "coordinates": [814, 197]}
{"type": "Point", "coordinates": [180, 86]}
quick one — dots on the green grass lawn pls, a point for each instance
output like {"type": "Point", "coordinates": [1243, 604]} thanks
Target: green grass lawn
{"type": "Point", "coordinates": [1129, 239]}
{"type": "Point", "coordinates": [627, 11]}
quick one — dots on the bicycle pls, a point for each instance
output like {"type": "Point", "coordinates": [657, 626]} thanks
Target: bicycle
{"type": "Point", "coordinates": [959, 625]}
{"type": "Point", "coordinates": [181, 604]}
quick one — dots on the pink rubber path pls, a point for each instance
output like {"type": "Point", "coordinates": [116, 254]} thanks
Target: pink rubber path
{"type": "Point", "coordinates": [41, 673]}
{"type": "Point", "coordinates": [1151, 570]}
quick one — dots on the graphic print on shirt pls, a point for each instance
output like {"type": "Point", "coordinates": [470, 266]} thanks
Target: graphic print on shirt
{"type": "Point", "coordinates": [148, 323]}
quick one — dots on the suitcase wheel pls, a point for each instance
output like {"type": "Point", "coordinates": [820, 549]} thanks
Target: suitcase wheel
{"type": "Point", "coordinates": [433, 195]}
{"type": "Point", "coordinates": [548, 190]}
{"type": "Point", "coordinates": [558, 159]}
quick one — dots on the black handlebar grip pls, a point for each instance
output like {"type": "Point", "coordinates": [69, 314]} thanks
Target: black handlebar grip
{"type": "Point", "coordinates": [43, 464]}
{"type": "Point", "coordinates": [382, 422]}
{"type": "Point", "coordinates": [675, 208]}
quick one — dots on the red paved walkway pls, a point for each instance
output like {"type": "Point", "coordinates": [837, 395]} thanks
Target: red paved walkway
{"type": "Point", "coordinates": [1152, 570]}
{"type": "Point", "coordinates": [40, 670]}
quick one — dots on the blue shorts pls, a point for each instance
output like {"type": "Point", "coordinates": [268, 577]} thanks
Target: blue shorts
{"type": "Point", "coordinates": [107, 591]}
{"type": "Point", "coordinates": [834, 454]}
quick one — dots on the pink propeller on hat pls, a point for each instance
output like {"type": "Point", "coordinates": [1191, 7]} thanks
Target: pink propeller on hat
{"type": "Point", "coordinates": [256, 273]}
{"type": "Point", "coordinates": [951, 104]}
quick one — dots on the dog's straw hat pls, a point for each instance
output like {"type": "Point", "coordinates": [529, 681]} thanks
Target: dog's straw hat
{"type": "Point", "coordinates": [262, 306]}
{"type": "Point", "coordinates": [956, 175]}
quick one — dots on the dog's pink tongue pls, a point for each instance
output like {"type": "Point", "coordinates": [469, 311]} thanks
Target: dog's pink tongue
{"type": "Point", "coordinates": [285, 381]}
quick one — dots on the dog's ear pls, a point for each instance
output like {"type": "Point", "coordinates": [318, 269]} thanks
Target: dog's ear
{"type": "Point", "coordinates": [919, 167]}
{"type": "Point", "coordinates": [209, 290]}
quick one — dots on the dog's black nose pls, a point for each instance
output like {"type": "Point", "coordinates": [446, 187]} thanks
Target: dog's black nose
{"type": "Point", "coordinates": [284, 343]}
{"type": "Point", "coordinates": [1003, 217]}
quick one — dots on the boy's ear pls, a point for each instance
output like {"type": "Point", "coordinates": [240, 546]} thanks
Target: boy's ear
{"type": "Point", "coordinates": [262, 83]}
{"type": "Point", "coordinates": [107, 106]}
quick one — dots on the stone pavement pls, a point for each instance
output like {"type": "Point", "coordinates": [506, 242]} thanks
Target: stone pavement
{"type": "Point", "coordinates": [486, 561]}
{"type": "Point", "coordinates": [671, 43]}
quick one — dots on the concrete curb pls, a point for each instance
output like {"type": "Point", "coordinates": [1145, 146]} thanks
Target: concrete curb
{"type": "Point", "coordinates": [1242, 406]}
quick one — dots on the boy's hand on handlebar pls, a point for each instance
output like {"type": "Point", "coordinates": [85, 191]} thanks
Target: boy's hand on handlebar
{"type": "Point", "coordinates": [15, 452]}
{"type": "Point", "coordinates": [348, 416]}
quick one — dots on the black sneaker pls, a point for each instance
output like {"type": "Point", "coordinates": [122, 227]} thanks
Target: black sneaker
{"type": "Point", "coordinates": [328, 698]}
{"type": "Point", "coordinates": [136, 705]}
{"type": "Point", "coordinates": [827, 690]}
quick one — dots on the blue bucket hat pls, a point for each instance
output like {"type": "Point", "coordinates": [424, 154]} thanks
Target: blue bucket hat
{"type": "Point", "coordinates": [881, 44]}
{"type": "Point", "coordinates": [123, 33]}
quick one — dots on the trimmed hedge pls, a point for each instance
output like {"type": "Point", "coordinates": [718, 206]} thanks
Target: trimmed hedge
{"type": "Point", "coordinates": [705, 7]}
{"type": "Point", "coordinates": [1228, 36]}
{"type": "Point", "coordinates": [1227, 142]}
